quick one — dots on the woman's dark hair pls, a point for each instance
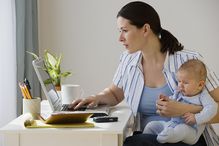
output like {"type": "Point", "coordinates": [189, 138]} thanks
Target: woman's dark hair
{"type": "Point", "coordinates": [140, 13]}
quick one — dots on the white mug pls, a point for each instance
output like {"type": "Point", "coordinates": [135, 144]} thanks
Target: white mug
{"type": "Point", "coordinates": [70, 92]}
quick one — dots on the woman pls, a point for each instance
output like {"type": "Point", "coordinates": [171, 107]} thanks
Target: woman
{"type": "Point", "coordinates": [146, 70]}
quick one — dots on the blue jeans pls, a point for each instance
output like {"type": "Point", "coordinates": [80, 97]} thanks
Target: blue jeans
{"type": "Point", "coordinates": [150, 140]}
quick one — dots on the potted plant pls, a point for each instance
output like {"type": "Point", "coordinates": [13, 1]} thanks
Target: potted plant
{"type": "Point", "coordinates": [52, 67]}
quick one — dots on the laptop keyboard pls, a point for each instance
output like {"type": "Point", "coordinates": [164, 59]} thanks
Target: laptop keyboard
{"type": "Point", "coordinates": [65, 107]}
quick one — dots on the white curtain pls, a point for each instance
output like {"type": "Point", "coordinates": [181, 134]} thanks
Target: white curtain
{"type": "Point", "coordinates": [8, 90]}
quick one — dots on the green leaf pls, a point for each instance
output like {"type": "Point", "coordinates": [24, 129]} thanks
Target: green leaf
{"type": "Point", "coordinates": [58, 62]}
{"type": "Point", "coordinates": [65, 74]}
{"type": "Point", "coordinates": [48, 81]}
{"type": "Point", "coordinates": [33, 54]}
{"type": "Point", "coordinates": [51, 59]}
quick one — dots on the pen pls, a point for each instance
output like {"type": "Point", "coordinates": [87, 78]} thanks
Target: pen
{"type": "Point", "coordinates": [27, 83]}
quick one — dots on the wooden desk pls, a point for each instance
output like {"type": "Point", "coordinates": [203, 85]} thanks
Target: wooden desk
{"type": "Point", "coordinates": [103, 134]}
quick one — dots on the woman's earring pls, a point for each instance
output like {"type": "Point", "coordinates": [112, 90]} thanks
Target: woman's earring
{"type": "Point", "coordinates": [159, 36]}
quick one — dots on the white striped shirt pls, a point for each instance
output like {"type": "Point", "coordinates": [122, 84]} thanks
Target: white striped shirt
{"type": "Point", "coordinates": [129, 77]}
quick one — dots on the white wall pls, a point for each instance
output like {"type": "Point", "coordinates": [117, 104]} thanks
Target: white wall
{"type": "Point", "coordinates": [85, 32]}
{"type": "Point", "coordinates": [8, 103]}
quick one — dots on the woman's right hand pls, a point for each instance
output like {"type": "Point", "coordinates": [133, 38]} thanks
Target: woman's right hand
{"type": "Point", "coordinates": [168, 108]}
{"type": "Point", "coordinates": [109, 96]}
{"type": "Point", "coordinates": [90, 101]}
{"type": "Point", "coordinates": [172, 108]}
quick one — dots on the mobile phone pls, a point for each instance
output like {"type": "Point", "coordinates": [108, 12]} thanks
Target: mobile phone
{"type": "Point", "coordinates": [105, 119]}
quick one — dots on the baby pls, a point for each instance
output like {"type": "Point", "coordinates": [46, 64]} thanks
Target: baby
{"type": "Point", "coordinates": [191, 78]}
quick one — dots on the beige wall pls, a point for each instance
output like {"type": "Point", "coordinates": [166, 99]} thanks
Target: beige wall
{"type": "Point", "coordinates": [85, 32]}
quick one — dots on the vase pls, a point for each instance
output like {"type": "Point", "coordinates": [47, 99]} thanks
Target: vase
{"type": "Point", "coordinates": [58, 90]}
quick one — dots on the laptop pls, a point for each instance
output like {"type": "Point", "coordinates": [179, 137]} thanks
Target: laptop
{"type": "Point", "coordinates": [55, 100]}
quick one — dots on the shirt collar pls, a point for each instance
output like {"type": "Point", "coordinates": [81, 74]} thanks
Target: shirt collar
{"type": "Point", "coordinates": [166, 62]}
{"type": "Point", "coordinates": [137, 58]}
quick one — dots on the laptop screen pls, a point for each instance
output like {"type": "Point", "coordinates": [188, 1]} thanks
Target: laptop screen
{"type": "Point", "coordinates": [53, 97]}
{"type": "Point", "coordinates": [48, 89]}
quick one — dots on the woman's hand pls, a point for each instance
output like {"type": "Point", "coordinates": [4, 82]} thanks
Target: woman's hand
{"type": "Point", "coordinates": [90, 101]}
{"type": "Point", "coordinates": [171, 108]}
{"type": "Point", "coordinates": [109, 96]}
{"type": "Point", "coordinates": [167, 107]}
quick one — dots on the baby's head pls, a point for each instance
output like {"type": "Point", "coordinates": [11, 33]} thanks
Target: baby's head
{"type": "Point", "coordinates": [191, 77]}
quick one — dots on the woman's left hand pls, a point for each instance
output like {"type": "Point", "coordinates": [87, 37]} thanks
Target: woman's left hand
{"type": "Point", "coordinates": [169, 108]}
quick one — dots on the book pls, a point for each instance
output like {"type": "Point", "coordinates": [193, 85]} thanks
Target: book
{"type": "Point", "coordinates": [59, 120]}
{"type": "Point", "coordinates": [65, 117]}
{"type": "Point", "coordinates": [41, 124]}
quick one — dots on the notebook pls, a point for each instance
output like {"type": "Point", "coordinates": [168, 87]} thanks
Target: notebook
{"type": "Point", "coordinates": [59, 120]}
{"type": "Point", "coordinates": [54, 99]}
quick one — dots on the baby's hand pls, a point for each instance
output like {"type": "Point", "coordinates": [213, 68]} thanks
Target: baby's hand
{"type": "Point", "coordinates": [163, 97]}
{"type": "Point", "coordinates": [161, 104]}
{"type": "Point", "coordinates": [189, 118]}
